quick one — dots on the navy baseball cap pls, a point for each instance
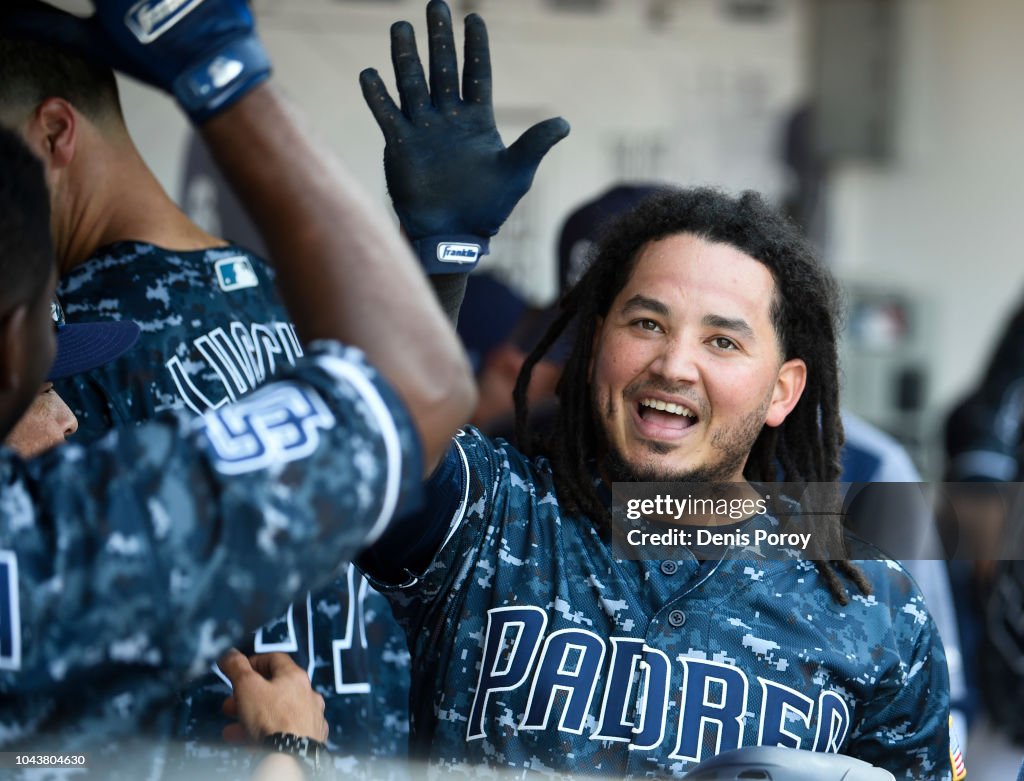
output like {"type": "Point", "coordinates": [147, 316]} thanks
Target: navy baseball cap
{"type": "Point", "coordinates": [85, 346]}
{"type": "Point", "coordinates": [587, 224]}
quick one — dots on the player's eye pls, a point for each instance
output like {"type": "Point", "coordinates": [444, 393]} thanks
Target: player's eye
{"type": "Point", "coordinates": [724, 343]}
{"type": "Point", "coordinates": [647, 324]}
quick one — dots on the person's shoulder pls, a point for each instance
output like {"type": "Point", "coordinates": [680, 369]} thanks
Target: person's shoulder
{"type": "Point", "coordinates": [871, 454]}
{"type": "Point", "coordinates": [103, 262]}
{"type": "Point", "coordinates": [475, 444]}
{"type": "Point", "coordinates": [891, 583]}
{"type": "Point", "coordinates": [872, 560]}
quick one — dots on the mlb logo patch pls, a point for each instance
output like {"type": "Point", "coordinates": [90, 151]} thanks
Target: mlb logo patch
{"type": "Point", "coordinates": [235, 274]}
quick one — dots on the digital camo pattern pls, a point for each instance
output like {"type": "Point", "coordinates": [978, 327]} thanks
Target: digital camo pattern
{"type": "Point", "coordinates": [356, 646]}
{"type": "Point", "coordinates": [212, 329]}
{"type": "Point", "coordinates": [138, 561]}
{"type": "Point", "coordinates": [534, 648]}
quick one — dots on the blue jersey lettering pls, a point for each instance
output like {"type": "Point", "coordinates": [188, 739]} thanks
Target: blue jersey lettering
{"type": "Point", "coordinates": [780, 704]}
{"type": "Point", "coordinates": [10, 618]}
{"type": "Point", "coordinates": [276, 425]}
{"type": "Point", "coordinates": [570, 663]}
{"type": "Point", "coordinates": [714, 694]}
{"type": "Point", "coordinates": [513, 637]}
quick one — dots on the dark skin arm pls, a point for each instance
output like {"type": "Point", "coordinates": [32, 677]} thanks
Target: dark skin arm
{"type": "Point", "coordinates": [344, 271]}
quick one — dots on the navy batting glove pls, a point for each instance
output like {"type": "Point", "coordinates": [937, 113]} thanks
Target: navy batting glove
{"type": "Point", "coordinates": [204, 52]}
{"type": "Point", "coordinates": [452, 180]}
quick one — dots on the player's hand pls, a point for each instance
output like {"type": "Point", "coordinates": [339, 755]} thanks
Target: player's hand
{"type": "Point", "coordinates": [451, 178]}
{"type": "Point", "coordinates": [206, 54]}
{"type": "Point", "coordinates": [270, 694]}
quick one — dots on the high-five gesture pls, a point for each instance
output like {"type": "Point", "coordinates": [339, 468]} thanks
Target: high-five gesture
{"type": "Point", "coordinates": [451, 178]}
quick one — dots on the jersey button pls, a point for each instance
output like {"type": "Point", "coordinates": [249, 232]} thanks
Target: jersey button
{"type": "Point", "coordinates": [669, 567]}
{"type": "Point", "coordinates": [677, 618]}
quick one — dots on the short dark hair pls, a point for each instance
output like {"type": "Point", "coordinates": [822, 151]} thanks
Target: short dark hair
{"type": "Point", "coordinates": [26, 249]}
{"type": "Point", "coordinates": [32, 71]}
{"type": "Point", "coordinates": [805, 314]}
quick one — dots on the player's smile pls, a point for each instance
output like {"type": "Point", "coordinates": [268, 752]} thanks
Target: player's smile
{"type": "Point", "coordinates": [687, 367]}
{"type": "Point", "coordinates": [663, 417]}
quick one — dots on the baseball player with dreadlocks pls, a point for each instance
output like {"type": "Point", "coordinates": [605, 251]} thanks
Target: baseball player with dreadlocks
{"type": "Point", "coordinates": [704, 349]}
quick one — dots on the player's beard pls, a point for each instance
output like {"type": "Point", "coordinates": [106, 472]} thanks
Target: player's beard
{"type": "Point", "coordinates": [732, 445]}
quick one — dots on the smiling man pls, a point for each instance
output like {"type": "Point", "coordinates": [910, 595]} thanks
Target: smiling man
{"type": "Point", "coordinates": [703, 349]}
{"type": "Point", "coordinates": [687, 367]}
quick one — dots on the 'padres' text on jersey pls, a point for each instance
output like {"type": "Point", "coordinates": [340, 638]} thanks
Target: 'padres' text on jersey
{"type": "Point", "coordinates": [534, 648]}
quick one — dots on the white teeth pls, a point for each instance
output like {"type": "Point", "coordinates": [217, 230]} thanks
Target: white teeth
{"type": "Point", "coordinates": [667, 406]}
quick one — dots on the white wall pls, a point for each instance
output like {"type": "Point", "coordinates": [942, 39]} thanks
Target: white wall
{"type": "Point", "coordinates": [697, 98]}
{"type": "Point", "coordinates": [944, 220]}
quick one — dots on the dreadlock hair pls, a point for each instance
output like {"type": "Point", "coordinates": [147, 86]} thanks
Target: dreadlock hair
{"type": "Point", "coordinates": [804, 313]}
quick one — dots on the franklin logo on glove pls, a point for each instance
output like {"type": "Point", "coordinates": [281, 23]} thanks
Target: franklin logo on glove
{"type": "Point", "coordinates": [458, 253]}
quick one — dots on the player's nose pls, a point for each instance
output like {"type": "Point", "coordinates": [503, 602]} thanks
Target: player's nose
{"type": "Point", "coordinates": [678, 360]}
{"type": "Point", "coordinates": [66, 419]}
{"type": "Point", "coordinates": [70, 426]}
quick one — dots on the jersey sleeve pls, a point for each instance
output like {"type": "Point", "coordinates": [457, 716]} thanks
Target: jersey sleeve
{"type": "Point", "coordinates": [162, 544]}
{"type": "Point", "coordinates": [405, 551]}
{"type": "Point", "coordinates": [904, 727]}
{"type": "Point", "coordinates": [426, 554]}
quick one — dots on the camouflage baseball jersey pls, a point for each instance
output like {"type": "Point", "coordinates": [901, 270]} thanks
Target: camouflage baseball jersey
{"type": "Point", "coordinates": [213, 328]}
{"type": "Point", "coordinates": [130, 564]}
{"type": "Point", "coordinates": [534, 648]}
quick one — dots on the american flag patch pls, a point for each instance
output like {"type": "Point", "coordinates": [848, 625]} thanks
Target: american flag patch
{"type": "Point", "coordinates": [956, 756]}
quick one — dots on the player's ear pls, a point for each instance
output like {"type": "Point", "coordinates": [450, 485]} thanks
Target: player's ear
{"type": "Point", "coordinates": [52, 133]}
{"type": "Point", "coordinates": [13, 344]}
{"type": "Point", "coordinates": [789, 387]}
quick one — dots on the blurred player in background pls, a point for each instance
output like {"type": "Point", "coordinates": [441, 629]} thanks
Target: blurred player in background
{"type": "Point", "coordinates": [984, 532]}
{"type": "Point", "coordinates": [48, 421]}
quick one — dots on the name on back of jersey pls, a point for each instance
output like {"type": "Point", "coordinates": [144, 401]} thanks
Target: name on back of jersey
{"type": "Point", "coordinates": [242, 356]}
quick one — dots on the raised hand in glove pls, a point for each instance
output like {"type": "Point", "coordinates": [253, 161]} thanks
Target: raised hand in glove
{"type": "Point", "coordinates": [452, 180]}
{"type": "Point", "coordinates": [204, 52]}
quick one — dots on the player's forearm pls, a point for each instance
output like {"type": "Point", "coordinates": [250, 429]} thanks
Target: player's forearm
{"type": "Point", "coordinates": [450, 290]}
{"type": "Point", "coordinates": [344, 271]}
